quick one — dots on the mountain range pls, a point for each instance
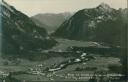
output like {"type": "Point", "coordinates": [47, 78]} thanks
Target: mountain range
{"type": "Point", "coordinates": [101, 24]}
{"type": "Point", "coordinates": [19, 34]}
{"type": "Point", "coordinates": [51, 21]}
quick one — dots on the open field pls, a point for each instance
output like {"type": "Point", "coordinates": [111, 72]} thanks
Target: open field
{"type": "Point", "coordinates": [69, 73]}
{"type": "Point", "coordinates": [63, 44]}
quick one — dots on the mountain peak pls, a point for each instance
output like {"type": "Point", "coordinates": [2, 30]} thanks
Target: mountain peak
{"type": "Point", "coordinates": [6, 5]}
{"type": "Point", "coordinates": [104, 6]}
{"type": "Point", "coordinates": [2, 2]}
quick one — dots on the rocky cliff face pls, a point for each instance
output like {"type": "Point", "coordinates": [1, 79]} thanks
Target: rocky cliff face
{"type": "Point", "coordinates": [102, 24]}
{"type": "Point", "coordinates": [19, 34]}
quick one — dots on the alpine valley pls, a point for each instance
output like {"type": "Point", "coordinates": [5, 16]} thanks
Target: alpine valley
{"type": "Point", "coordinates": [79, 47]}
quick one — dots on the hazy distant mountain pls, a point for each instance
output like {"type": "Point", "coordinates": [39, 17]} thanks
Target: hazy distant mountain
{"type": "Point", "coordinates": [51, 21]}
{"type": "Point", "coordinates": [20, 34]}
{"type": "Point", "coordinates": [102, 24]}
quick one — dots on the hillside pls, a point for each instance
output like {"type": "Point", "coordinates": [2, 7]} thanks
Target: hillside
{"type": "Point", "coordinates": [20, 34]}
{"type": "Point", "coordinates": [101, 24]}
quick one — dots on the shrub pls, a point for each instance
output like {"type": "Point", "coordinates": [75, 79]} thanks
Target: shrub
{"type": "Point", "coordinates": [115, 68]}
{"type": "Point", "coordinates": [5, 63]}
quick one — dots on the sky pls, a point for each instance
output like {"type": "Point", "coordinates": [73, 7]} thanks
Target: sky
{"type": "Point", "coordinates": [33, 7]}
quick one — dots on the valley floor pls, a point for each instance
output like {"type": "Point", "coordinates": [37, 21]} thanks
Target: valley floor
{"type": "Point", "coordinates": [28, 70]}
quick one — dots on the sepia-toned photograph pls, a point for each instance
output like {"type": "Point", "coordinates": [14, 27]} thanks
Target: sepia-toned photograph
{"type": "Point", "coordinates": [63, 40]}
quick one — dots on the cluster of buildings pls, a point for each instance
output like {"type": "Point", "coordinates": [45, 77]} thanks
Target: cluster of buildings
{"type": "Point", "coordinates": [3, 76]}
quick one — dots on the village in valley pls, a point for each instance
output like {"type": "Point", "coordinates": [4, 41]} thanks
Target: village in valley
{"type": "Point", "coordinates": [82, 64]}
{"type": "Point", "coordinates": [83, 46]}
